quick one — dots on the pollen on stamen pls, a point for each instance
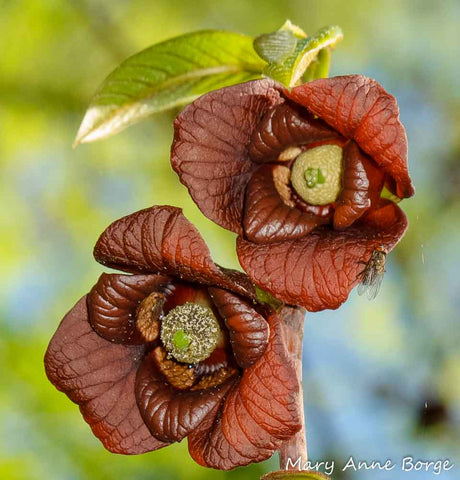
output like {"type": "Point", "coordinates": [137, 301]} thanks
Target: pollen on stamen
{"type": "Point", "coordinates": [190, 333]}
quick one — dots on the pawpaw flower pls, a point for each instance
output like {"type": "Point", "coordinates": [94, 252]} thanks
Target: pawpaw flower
{"type": "Point", "coordinates": [298, 175]}
{"type": "Point", "coordinates": [176, 348]}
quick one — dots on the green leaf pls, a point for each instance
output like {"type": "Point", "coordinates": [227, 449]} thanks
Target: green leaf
{"type": "Point", "coordinates": [266, 297]}
{"type": "Point", "coordinates": [275, 47]}
{"type": "Point", "coordinates": [385, 193]}
{"type": "Point", "coordinates": [166, 75]}
{"type": "Point", "coordinates": [295, 29]}
{"type": "Point", "coordinates": [291, 70]}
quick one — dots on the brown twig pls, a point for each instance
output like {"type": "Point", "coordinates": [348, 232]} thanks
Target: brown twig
{"type": "Point", "coordinates": [293, 324]}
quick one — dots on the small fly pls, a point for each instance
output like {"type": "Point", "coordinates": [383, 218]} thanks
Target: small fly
{"type": "Point", "coordinates": [372, 274]}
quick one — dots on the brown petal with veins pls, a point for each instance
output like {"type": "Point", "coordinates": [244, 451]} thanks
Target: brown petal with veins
{"type": "Point", "coordinates": [209, 151]}
{"type": "Point", "coordinates": [248, 329]}
{"type": "Point", "coordinates": [99, 376]}
{"type": "Point", "coordinates": [360, 109]}
{"type": "Point", "coordinates": [357, 186]}
{"type": "Point", "coordinates": [210, 447]}
{"type": "Point", "coordinates": [113, 302]}
{"type": "Point", "coordinates": [286, 126]}
{"type": "Point", "coordinates": [267, 217]}
{"type": "Point", "coordinates": [258, 415]}
{"type": "Point", "coordinates": [161, 240]}
{"type": "Point", "coordinates": [169, 413]}
{"type": "Point", "coordinates": [319, 271]}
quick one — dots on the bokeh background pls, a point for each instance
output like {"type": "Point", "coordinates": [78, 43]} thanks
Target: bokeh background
{"type": "Point", "coordinates": [381, 378]}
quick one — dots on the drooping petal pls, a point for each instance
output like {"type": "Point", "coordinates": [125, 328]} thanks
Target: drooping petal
{"type": "Point", "coordinates": [161, 240]}
{"type": "Point", "coordinates": [258, 414]}
{"type": "Point", "coordinates": [169, 413]}
{"type": "Point", "coordinates": [209, 446]}
{"type": "Point", "coordinates": [99, 376]}
{"type": "Point", "coordinates": [319, 271]}
{"type": "Point", "coordinates": [267, 217]}
{"type": "Point", "coordinates": [210, 147]}
{"type": "Point", "coordinates": [359, 108]}
{"type": "Point", "coordinates": [362, 183]}
{"type": "Point", "coordinates": [286, 126]}
{"type": "Point", "coordinates": [113, 301]}
{"type": "Point", "coordinates": [248, 329]}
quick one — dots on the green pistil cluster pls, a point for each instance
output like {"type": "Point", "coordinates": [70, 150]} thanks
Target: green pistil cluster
{"type": "Point", "coordinates": [316, 174]}
{"type": "Point", "coordinates": [190, 333]}
{"type": "Point", "coordinates": [181, 340]}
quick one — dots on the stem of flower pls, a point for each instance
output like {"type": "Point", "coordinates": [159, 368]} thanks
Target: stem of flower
{"type": "Point", "coordinates": [324, 63]}
{"type": "Point", "coordinates": [293, 319]}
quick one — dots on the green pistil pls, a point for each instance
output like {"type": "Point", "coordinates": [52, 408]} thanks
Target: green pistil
{"type": "Point", "coordinates": [314, 176]}
{"type": "Point", "coordinates": [181, 340]}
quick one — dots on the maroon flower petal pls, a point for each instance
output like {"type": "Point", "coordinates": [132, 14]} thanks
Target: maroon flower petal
{"type": "Point", "coordinates": [169, 413]}
{"type": "Point", "coordinates": [286, 126]}
{"type": "Point", "coordinates": [359, 108]}
{"type": "Point", "coordinates": [267, 217]}
{"type": "Point", "coordinates": [209, 151]}
{"type": "Point", "coordinates": [269, 389]}
{"type": "Point", "coordinates": [197, 441]}
{"type": "Point", "coordinates": [248, 329]}
{"type": "Point", "coordinates": [209, 446]}
{"type": "Point", "coordinates": [161, 240]}
{"type": "Point", "coordinates": [113, 301]}
{"type": "Point", "coordinates": [355, 197]}
{"type": "Point", "coordinates": [319, 271]}
{"type": "Point", "coordinates": [99, 376]}
{"type": "Point", "coordinates": [258, 414]}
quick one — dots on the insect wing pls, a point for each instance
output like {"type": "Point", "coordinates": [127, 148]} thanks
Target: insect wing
{"type": "Point", "coordinates": [367, 278]}
{"type": "Point", "coordinates": [362, 287]}
{"type": "Point", "coordinates": [372, 276]}
{"type": "Point", "coordinates": [374, 288]}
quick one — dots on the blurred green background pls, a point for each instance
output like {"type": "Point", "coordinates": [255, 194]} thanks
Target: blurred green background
{"type": "Point", "coordinates": [382, 378]}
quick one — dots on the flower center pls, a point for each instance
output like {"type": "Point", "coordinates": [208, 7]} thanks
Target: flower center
{"type": "Point", "coordinates": [316, 174]}
{"type": "Point", "coordinates": [190, 332]}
